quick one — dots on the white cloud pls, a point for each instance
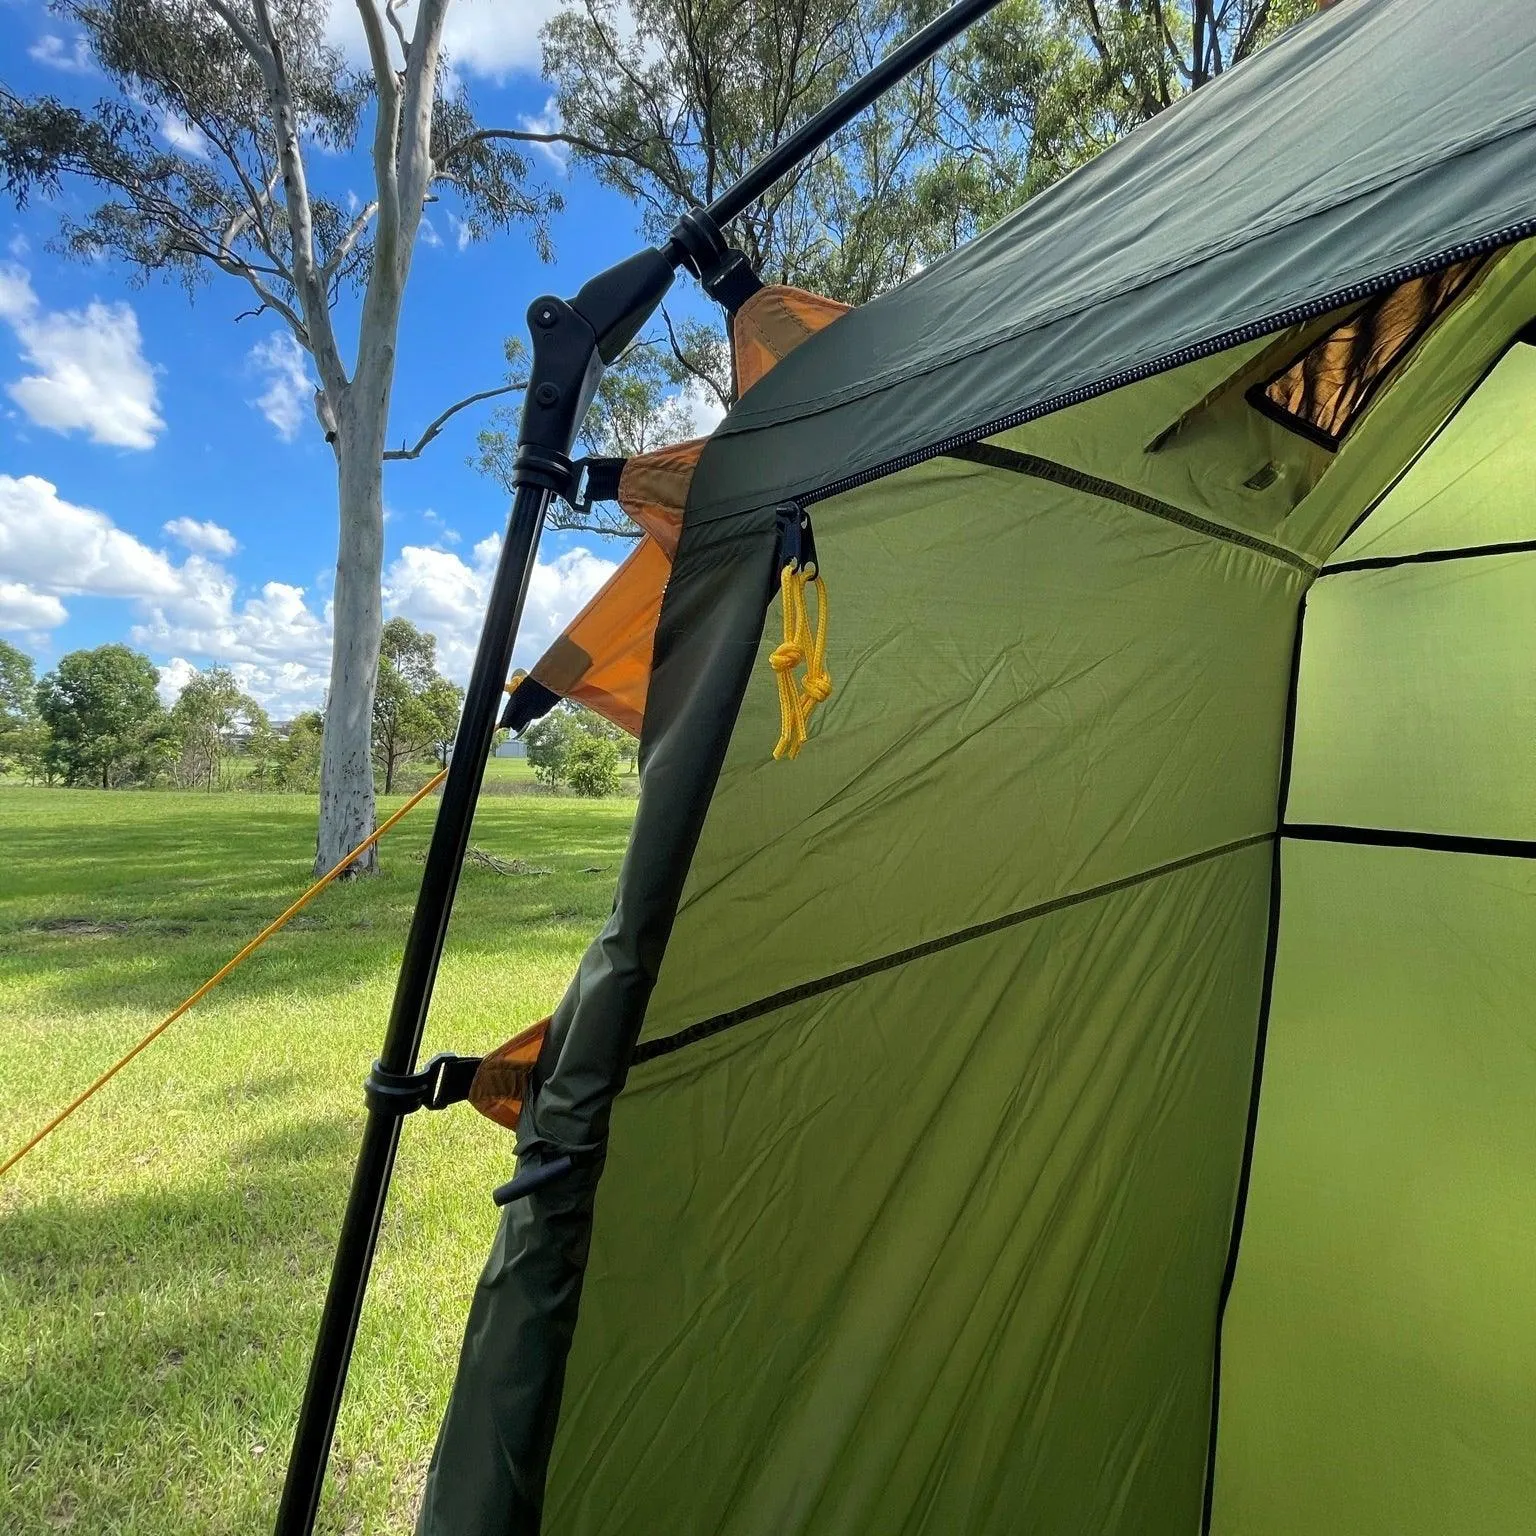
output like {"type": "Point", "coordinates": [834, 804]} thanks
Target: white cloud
{"type": "Point", "coordinates": [277, 641]}
{"type": "Point", "coordinates": [54, 546]}
{"type": "Point", "coordinates": [491, 38]}
{"type": "Point", "coordinates": [463, 235]}
{"type": "Point", "coordinates": [427, 233]}
{"type": "Point", "coordinates": [24, 611]}
{"type": "Point", "coordinates": [91, 376]}
{"type": "Point", "coordinates": [445, 534]}
{"type": "Point", "coordinates": [440, 591]}
{"type": "Point", "coordinates": [289, 390]}
{"type": "Point", "coordinates": [204, 538]}
{"type": "Point", "coordinates": [50, 549]}
{"type": "Point", "coordinates": [184, 137]}
{"type": "Point", "coordinates": [547, 121]}
{"type": "Point", "coordinates": [71, 56]}
{"type": "Point", "coordinates": [703, 407]}
{"type": "Point", "coordinates": [175, 674]}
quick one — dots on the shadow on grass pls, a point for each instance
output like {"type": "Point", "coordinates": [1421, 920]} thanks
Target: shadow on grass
{"type": "Point", "coordinates": [165, 1337]}
{"type": "Point", "coordinates": [183, 896]}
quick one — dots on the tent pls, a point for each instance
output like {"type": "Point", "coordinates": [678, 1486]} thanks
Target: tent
{"type": "Point", "coordinates": [1090, 1088]}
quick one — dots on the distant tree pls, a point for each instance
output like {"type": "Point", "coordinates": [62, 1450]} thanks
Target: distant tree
{"type": "Point", "coordinates": [415, 709]}
{"type": "Point", "coordinates": [443, 701]}
{"type": "Point", "coordinates": [22, 734]}
{"type": "Point", "coordinates": [553, 742]}
{"type": "Point", "coordinates": [105, 722]}
{"type": "Point", "coordinates": [262, 106]}
{"type": "Point", "coordinates": [212, 719]}
{"type": "Point", "coordinates": [548, 742]}
{"type": "Point", "coordinates": [296, 763]}
{"type": "Point", "coordinates": [592, 766]}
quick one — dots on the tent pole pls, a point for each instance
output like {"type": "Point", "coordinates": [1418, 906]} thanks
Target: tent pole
{"type": "Point", "coordinates": [573, 341]}
{"type": "Point", "coordinates": [418, 969]}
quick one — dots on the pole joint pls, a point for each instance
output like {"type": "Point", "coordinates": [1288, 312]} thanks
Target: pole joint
{"type": "Point", "coordinates": [443, 1081]}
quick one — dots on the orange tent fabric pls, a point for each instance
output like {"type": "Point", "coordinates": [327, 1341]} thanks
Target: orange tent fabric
{"type": "Point", "coordinates": [603, 659]}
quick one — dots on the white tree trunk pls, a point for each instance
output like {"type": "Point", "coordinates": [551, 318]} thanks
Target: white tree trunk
{"type": "Point", "coordinates": [346, 767]}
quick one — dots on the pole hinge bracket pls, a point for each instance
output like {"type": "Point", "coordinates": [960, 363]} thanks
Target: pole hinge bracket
{"type": "Point", "coordinates": [443, 1081]}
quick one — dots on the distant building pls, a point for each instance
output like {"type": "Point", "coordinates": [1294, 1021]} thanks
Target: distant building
{"type": "Point", "coordinates": [512, 747]}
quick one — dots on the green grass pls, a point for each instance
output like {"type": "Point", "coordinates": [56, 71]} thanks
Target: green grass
{"type": "Point", "coordinates": [164, 1254]}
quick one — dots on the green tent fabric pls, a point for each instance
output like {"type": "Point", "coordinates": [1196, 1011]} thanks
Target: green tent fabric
{"type": "Point", "coordinates": [989, 1121]}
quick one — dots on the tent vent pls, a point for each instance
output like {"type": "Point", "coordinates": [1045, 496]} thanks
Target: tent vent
{"type": "Point", "coordinates": [1322, 393]}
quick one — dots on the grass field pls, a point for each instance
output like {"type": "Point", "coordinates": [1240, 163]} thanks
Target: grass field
{"type": "Point", "coordinates": [163, 1255]}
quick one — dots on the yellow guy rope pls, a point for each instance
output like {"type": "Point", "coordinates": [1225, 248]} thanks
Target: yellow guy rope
{"type": "Point", "coordinates": [796, 701]}
{"type": "Point", "coordinates": [218, 976]}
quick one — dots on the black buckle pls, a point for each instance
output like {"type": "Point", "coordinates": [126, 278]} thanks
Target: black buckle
{"type": "Point", "coordinates": [443, 1081]}
{"type": "Point", "coordinates": [593, 480]}
{"type": "Point", "coordinates": [797, 539]}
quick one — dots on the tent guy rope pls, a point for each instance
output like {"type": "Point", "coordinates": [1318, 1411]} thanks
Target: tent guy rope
{"type": "Point", "coordinates": [275, 926]}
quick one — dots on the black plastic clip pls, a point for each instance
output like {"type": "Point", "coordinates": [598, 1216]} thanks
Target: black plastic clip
{"type": "Point", "coordinates": [797, 539]}
{"type": "Point", "coordinates": [593, 480]}
{"type": "Point", "coordinates": [443, 1081]}
{"type": "Point", "coordinates": [529, 1179]}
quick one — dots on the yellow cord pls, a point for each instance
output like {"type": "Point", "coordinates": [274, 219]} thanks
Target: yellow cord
{"type": "Point", "coordinates": [219, 975]}
{"type": "Point", "coordinates": [800, 644]}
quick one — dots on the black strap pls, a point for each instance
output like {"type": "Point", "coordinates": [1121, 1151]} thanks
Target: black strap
{"type": "Point", "coordinates": [527, 702]}
{"type": "Point", "coordinates": [443, 1081]}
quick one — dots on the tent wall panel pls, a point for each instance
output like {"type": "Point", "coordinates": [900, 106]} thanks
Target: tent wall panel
{"type": "Point", "coordinates": [1379, 1347]}
{"type": "Point", "coordinates": [1476, 483]}
{"type": "Point", "coordinates": [934, 1252]}
{"type": "Point", "coordinates": [1417, 704]}
{"type": "Point", "coordinates": [1038, 690]}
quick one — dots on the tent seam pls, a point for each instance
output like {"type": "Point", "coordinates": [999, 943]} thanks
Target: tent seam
{"type": "Point", "coordinates": [994, 457]}
{"type": "Point", "coordinates": [692, 1034]}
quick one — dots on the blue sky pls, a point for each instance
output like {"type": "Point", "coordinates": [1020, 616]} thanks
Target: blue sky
{"type": "Point", "coordinates": [162, 477]}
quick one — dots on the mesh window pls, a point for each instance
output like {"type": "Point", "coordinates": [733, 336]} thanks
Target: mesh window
{"type": "Point", "coordinates": [1322, 393]}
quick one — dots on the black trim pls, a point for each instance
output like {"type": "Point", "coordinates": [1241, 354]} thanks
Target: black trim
{"type": "Point", "coordinates": [1260, 1044]}
{"type": "Point", "coordinates": [649, 1050]}
{"type": "Point", "coordinates": [1255, 398]}
{"type": "Point", "coordinates": [1431, 557]}
{"type": "Point", "coordinates": [993, 457]}
{"type": "Point", "coordinates": [1390, 837]}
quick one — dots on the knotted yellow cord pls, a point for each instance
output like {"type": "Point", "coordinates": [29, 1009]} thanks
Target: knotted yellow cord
{"type": "Point", "coordinates": [800, 644]}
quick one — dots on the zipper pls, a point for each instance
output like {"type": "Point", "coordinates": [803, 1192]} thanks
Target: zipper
{"type": "Point", "coordinates": [1297, 314]}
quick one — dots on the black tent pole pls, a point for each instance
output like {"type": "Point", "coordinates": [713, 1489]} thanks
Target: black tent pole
{"type": "Point", "coordinates": [572, 342]}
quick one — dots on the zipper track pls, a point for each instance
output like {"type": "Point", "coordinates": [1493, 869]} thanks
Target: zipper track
{"type": "Point", "coordinates": [1297, 314]}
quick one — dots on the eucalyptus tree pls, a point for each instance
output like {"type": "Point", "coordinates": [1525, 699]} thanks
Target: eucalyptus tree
{"type": "Point", "coordinates": [258, 98]}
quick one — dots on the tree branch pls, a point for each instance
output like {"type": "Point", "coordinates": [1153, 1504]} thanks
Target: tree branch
{"type": "Point", "coordinates": [439, 422]}
{"type": "Point", "coordinates": [416, 124]}
{"type": "Point", "coordinates": [527, 136]}
{"type": "Point", "coordinates": [346, 243]}
{"type": "Point", "coordinates": [1251, 32]}
{"type": "Point", "coordinates": [391, 8]}
{"type": "Point", "coordinates": [248, 39]}
{"type": "Point", "coordinates": [386, 132]}
{"type": "Point", "coordinates": [687, 363]}
{"type": "Point", "coordinates": [320, 338]}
